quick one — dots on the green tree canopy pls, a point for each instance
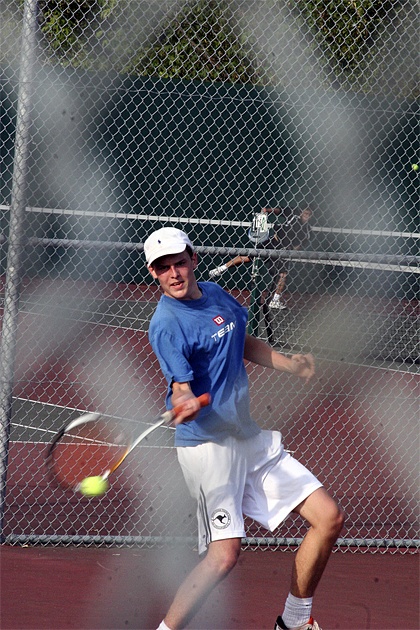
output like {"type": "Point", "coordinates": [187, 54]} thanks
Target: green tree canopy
{"type": "Point", "coordinates": [201, 42]}
{"type": "Point", "coordinates": [356, 41]}
{"type": "Point", "coordinates": [348, 32]}
{"type": "Point", "coordinates": [67, 25]}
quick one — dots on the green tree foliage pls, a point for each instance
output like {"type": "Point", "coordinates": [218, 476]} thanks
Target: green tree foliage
{"type": "Point", "coordinates": [347, 31]}
{"type": "Point", "coordinates": [201, 42]}
{"type": "Point", "coordinates": [67, 25]}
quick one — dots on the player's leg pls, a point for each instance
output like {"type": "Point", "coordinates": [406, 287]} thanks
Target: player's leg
{"type": "Point", "coordinates": [215, 475]}
{"type": "Point", "coordinates": [279, 484]}
{"type": "Point", "coordinates": [326, 521]}
{"type": "Point", "coordinates": [268, 320]}
{"type": "Point", "coordinates": [277, 301]}
{"type": "Point", "coordinates": [220, 559]}
{"type": "Point", "coordinates": [281, 283]}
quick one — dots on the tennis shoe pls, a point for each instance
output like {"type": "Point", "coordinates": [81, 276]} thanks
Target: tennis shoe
{"type": "Point", "coordinates": [278, 303]}
{"type": "Point", "coordinates": [310, 625]}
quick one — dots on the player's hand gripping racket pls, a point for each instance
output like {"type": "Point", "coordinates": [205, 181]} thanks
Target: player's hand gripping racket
{"type": "Point", "coordinates": [94, 446]}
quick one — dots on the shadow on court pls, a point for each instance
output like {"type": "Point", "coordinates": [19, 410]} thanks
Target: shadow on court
{"type": "Point", "coordinates": [92, 588]}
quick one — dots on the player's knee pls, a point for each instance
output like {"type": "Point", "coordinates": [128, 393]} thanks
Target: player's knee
{"type": "Point", "coordinates": [329, 520]}
{"type": "Point", "coordinates": [335, 521]}
{"type": "Point", "coordinates": [224, 556]}
{"type": "Point", "coordinates": [229, 562]}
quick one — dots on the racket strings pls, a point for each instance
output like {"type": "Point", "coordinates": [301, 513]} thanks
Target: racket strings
{"type": "Point", "coordinates": [89, 449]}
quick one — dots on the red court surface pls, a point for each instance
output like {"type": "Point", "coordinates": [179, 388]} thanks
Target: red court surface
{"type": "Point", "coordinates": [344, 412]}
{"type": "Point", "coordinates": [59, 588]}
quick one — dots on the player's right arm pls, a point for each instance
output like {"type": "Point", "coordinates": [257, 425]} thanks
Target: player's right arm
{"type": "Point", "coordinates": [272, 210]}
{"type": "Point", "coordinates": [182, 394]}
{"type": "Point", "coordinates": [234, 262]}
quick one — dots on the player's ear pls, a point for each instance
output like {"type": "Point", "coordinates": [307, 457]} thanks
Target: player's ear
{"type": "Point", "coordinates": [152, 271]}
{"type": "Point", "coordinates": [194, 259]}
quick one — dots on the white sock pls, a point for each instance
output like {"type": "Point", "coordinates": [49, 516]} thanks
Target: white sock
{"type": "Point", "coordinates": [163, 626]}
{"type": "Point", "coordinates": [297, 611]}
{"type": "Point", "coordinates": [276, 297]}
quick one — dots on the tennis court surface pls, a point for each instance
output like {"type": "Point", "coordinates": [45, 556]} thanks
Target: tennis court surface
{"type": "Point", "coordinates": [93, 588]}
{"type": "Point", "coordinates": [352, 443]}
{"type": "Point", "coordinates": [252, 126]}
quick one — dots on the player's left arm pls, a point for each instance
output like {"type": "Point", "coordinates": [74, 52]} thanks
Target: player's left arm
{"type": "Point", "coordinates": [275, 211]}
{"type": "Point", "coordinates": [259, 352]}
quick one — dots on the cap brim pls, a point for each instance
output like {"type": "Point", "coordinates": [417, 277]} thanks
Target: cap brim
{"type": "Point", "coordinates": [166, 251]}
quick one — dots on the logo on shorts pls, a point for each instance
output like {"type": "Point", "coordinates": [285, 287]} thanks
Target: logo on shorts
{"type": "Point", "coordinates": [220, 519]}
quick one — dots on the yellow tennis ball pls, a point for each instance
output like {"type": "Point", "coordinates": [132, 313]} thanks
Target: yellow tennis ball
{"type": "Point", "coordinates": [415, 167]}
{"type": "Point", "coordinates": [93, 486]}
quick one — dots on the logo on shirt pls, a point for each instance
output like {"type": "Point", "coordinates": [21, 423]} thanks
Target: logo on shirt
{"type": "Point", "coordinates": [223, 331]}
{"type": "Point", "coordinates": [218, 320]}
{"type": "Point", "coordinates": [220, 519]}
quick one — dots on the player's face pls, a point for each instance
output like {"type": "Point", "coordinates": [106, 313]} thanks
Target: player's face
{"type": "Point", "coordinates": [175, 274]}
{"type": "Point", "coordinates": [305, 216]}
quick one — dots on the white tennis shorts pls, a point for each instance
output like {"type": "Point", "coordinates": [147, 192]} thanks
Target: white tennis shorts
{"type": "Point", "coordinates": [253, 477]}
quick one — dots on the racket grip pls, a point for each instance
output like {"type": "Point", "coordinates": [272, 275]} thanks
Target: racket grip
{"type": "Point", "coordinates": [204, 400]}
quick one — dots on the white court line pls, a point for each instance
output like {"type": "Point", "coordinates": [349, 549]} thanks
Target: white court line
{"type": "Point", "coordinates": [93, 323]}
{"type": "Point", "coordinates": [70, 409]}
{"type": "Point", "coordinates": [370, 366]}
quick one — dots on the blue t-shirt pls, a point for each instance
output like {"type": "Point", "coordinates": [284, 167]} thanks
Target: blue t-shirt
{"type": "Point", "coordinates": [202, 342]}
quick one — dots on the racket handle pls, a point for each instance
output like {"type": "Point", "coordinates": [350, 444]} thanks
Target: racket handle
{"type": "Point", "coordinates": [204, 400]}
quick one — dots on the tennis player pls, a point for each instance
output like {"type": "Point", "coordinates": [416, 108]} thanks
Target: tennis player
{"type": "Point", "coordinates": [230, 465]}
{"type": "Point", "coordinates": [292, 232]}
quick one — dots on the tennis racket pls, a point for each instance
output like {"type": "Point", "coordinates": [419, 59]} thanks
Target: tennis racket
{"type": "Point", "coordinates": [94, 445]}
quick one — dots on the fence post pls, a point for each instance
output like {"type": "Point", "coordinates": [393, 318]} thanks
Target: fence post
{"type": "Point", "coordinates": [16, 234]}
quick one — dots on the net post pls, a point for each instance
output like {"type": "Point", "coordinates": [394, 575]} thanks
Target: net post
{"type": "Point", "coordinates": [254, 306]}
{"type": "Point", "coordinates": [258, 232]}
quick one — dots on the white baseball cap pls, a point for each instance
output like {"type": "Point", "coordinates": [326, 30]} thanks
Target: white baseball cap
{"type": "Point", "coordinates": [164, 242]}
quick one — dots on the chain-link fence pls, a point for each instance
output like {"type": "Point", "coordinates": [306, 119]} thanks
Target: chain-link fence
{"type": "Point", "coordinates": [122, 117]}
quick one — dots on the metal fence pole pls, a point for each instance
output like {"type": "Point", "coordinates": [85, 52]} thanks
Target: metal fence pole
{"type": "Point", "coordinates": [16, 233]}
{"type": "Point", "coordinates": [258, 230]}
